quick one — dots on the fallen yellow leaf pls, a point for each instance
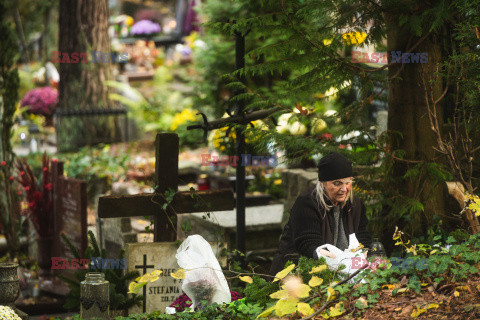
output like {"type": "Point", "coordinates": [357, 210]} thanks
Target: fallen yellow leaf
{"type": "Point", "coordinates": [334, 311]}
{"type": "Point", "coordinates": [330, 294]}
{"type": "Point", "coordinates": [134, 287]}
{"type": "Point", "coordinates": [315, 281]}
{"type": "Point", "coordinates": [179, 274]}
{"type": "Point", "coordinates": [284, 307]}
{"type": "Point", "coordinates": [362, 302]}
{"type": "Point", "coordinates": [282, 274]}
{"type": "Point", "coordinates": [398, 309]}
{"type": "Point", "coordinates": [266, 312]}
{"type": "Point", "coordinates": [150, 277]}
{"type": "Point", "coordinates": [280, 294]}
{"type": "Point", "coordinates": [456, 293]}
{"type": "Point", "coordinates": [418, 312]}
{"type": "Point", "coordinates": [304, 309]}
{"type": "Point", "coordinates": [433, 306]}
{"type": "Point", "coordinates": [246, 279]}
{"type": "Point", "coordinates": [388, 286]}
{"type": "Point", "coordinates": [318, 269]}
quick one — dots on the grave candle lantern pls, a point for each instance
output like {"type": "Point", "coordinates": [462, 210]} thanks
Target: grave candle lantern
{"type": "Point", "coordinates": [94, 297]}
{"type": "Point", "coordinates": [377, 248]}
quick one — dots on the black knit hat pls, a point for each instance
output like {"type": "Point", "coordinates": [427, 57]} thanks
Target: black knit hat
{"type": "Point", "coordinates": [334, 166]}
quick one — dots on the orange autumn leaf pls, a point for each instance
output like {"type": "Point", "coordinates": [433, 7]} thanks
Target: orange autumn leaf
{"type": "Point", "coordinates": [302, 110]}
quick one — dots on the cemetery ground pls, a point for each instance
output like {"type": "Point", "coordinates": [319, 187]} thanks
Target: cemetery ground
{"type": "Point", "coordinates": [151, 153]}
{"type": "Point", "coordinates": [447, 285]}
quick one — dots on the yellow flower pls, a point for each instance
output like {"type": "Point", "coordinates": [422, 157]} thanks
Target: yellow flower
{"type": "Point", "coordinates": [351, 38]}
{"type": "Point", "coordinates": [183, 117]}
{"type": "Point", "coordinates": [129, 21]}
{"type": "Point", "coordinates": [327, 42]}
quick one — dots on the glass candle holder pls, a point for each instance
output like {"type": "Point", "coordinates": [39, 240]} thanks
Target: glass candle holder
{"type": "Point", "coordinates": [378, 249]}
{"type": "Point", "coordinates": [94, 297]}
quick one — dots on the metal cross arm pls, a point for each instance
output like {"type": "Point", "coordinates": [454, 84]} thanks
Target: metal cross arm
{"type": "Point", "coordinates": [235, 119]}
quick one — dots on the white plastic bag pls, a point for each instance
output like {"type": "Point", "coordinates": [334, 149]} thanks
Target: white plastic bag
{"type": "Point", "coordinates": [335, 257]}
{"type": "Point", "coordinates": [204, 279]}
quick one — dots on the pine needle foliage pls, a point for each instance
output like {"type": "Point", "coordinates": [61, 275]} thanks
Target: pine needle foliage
{"type": "Point", "coordinates": [298, 50]}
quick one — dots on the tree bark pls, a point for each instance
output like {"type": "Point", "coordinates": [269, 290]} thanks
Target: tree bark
{"type": "Point", "coordinates": [407, 115]}
{"type": "Point", "coordinates": [83, 28]}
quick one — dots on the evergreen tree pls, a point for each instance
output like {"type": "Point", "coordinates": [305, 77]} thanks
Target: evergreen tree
{"type": "Point", "coordinates": [311, 40]}
{"type": "Point", "coordinates": [9, 83]}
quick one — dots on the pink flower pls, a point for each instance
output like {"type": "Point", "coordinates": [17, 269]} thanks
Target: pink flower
{"type": "Point", "coordinates": [41, 101]}
{"type": "Point", "coordinates": [145, 27]}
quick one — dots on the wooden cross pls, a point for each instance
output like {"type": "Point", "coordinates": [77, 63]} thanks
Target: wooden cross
{"type": "Point", "coordinates": [145, 267]}
{"type": "Point", "coordinates": [153, 204]}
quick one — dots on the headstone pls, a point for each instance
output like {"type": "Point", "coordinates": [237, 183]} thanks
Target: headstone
{"type": "Point", "coordinates": [114, 233]}
{"type": "Point", "coordinates": [263, 226]}
{"type": "Point", "coordinates": [70, 211]}
{"type": "Point", "coordinates": [146, 257]}
{"type": "Point", "coordinates": [164, 212]}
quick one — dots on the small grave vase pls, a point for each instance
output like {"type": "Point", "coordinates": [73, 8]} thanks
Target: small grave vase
{"type": "Point", "coordinates": [9, 283]}
{"type": "Point", "coordinates": [94, 297]}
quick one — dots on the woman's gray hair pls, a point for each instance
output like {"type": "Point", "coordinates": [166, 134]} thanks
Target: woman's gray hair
{"type": "Point", "coordinates": [320, 195]}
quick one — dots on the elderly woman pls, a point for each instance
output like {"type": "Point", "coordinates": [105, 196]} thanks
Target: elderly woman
{"type": "Point", "coordinates": [327, 213]}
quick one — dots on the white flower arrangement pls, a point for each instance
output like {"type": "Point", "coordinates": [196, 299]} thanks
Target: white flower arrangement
{"type": "Point", "coordinates": [7, 313]}
{"type": "Point", "coordinates": [286, 125]}
{"type": "Point", "coordinates": [318, 125]}
{"type": "Point", "coordinates": [297, 128]}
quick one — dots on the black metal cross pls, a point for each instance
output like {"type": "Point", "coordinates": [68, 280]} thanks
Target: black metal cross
{"type": "Point", "coordinates": [145, 267]}
{"type": "Point", "coordinates": [240, 117]}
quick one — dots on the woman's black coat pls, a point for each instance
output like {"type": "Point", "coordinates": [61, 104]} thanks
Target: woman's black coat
{"type": "Point", "coordinates": [309, 227]}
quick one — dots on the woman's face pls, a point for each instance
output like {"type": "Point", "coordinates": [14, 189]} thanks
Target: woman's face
{"type": "Point", "coordinates": [338, 190]}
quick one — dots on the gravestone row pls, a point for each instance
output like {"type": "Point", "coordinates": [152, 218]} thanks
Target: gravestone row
{"type": "Point", "coordinates": [145, 257]}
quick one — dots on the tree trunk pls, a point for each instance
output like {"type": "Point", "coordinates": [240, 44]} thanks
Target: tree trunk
{"type": "Point", "coordinates": [82, 29]}
{"type": "Point", "coordinates": [407, 115]}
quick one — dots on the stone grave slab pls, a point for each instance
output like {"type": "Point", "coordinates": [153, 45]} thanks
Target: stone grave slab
{"type": "Point", "coordinates": [263, 226]}
{"type": "Point", "coordinates": [70, 212]}
{"type": "Point", "coordinates": [146, 257]}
